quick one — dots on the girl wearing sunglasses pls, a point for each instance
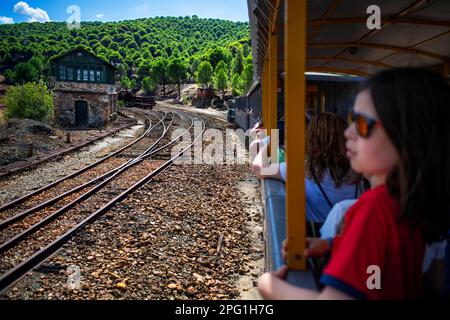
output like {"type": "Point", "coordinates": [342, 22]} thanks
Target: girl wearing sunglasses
{"type": "Point", "coordinates": [399, 136]}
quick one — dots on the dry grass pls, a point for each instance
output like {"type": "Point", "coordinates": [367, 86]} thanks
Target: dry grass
{"type": "Point", "coordinates": [59, 133]}
{"type": "Point", "coordinates": [2, 111]}
{"type": "Point", "coordinates": [2, 116]}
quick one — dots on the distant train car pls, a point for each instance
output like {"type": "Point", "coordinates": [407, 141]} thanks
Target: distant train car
{"type": "Point", "coordinates": [325, 93]}
{"type": "Point", "coordinates": [231, 115]}
{"type": "Point", "coordinates": [133, 101]}
{"type": "Point", "coordinates": [245, 111]}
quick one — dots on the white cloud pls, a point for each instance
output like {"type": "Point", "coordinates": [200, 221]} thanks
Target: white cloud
{"type": "Point", "coordinates": [99, 16]}
{"type": "Point", "coordinates": [35, 14]}
{"type": "Point", "coordinates": [6, 20]}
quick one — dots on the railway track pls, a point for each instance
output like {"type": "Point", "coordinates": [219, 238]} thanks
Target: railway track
{"type": "Point", "coordinates": [52, 194]}
{"type": "Point", "coordinates": [78, 175]}
{"type": "Point", "coordinates": [69, 198]}
{"type": "Point", "coordinates": [35, 161]}
{"type": "Point", "coordinates": [85, 205]}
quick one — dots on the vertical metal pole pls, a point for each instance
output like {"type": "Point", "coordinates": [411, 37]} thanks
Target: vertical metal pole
{"type": "Point", "coordinates": [295, 85]}
{"type": "Point", "coordinates": [273, 93]}
{"type": "Point", "coordinates": [265, 96]}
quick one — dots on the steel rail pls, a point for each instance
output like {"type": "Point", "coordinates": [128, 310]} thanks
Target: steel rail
{"type": "Point", "coordinates": [74, 174]}
{"type": "Point", "coordinates": [22, 235]}
{"type": "Point", "coordinates": [23, 214]}
{"type": "Point", "coordinates": [16, 273]}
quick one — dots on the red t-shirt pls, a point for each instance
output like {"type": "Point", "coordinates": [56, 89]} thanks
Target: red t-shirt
{"type": "Point", "coordinates": [373, 236]}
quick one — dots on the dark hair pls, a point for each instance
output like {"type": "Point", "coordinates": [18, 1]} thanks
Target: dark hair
{"type": "Point", "coordinates": [325, 147]}
{"type": "Point", "coordinates": [414, 108]}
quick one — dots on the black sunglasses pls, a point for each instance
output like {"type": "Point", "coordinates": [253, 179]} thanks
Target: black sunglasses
{"type": "Point", "coordinates": [363, 123]}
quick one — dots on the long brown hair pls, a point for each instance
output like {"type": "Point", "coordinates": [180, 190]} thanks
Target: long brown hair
{"type": "Point", "coordinates": [325, 147]}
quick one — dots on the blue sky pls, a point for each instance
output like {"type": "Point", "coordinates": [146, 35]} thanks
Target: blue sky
{"type": "Point", "coordinates": [115, 10]}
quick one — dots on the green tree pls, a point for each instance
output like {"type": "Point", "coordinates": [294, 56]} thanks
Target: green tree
{"type": "Point", "coordinates": [92, 36]}
{"type": "Point", "coordinates": [149, 85]}
{"type": "Point", "coordinates": [39, 64]}
{"type": "Point", "coordinates": [247, 77]}
{"type": "Point", "coordinates": [204, 73]}
{"type": "Point", "coordinates": [123, 69]}
{"type": "Point", "coordinates": [248, 60]}
{"type": "Point", "coordinates": [31, 101]}
{"type": "Point", "coordinates": [125, 83]}
{"type": "Point", "coordinates": [221, 65]}
{"type": "Point", "coordinates": [115, 57]}
{"type": "Point", "coordinates": [106, 41]}
{"type": "Point", "coordinates": [158, 71]}
{"type": "Point", "coordinates": [25, 72]}
{"type": "Point", "coordinates": [47, 71]}
{"type": "Point", "coordinates": [195, 61]}
{"type": "Point", "coordinates": [144, 69]}
{"type": "Point", "coordinates": [113, 46]}
{"type": "Point", "coordinates": [10, 76]}
{"type": "Point", "coordinates": [221, 80]}
{"type": "Point", "coordinates": [132, 84]}
{"type": "Point", "coordinates": [131, 42]}
{"type": "Point", "coordinates": [218, 54]}
{"type": "Point", "coordinates": [238, 62]}
{"type": "Point", "coordinates": [236, 85]}
{"type": "Point", "coordinates": [177, 72]}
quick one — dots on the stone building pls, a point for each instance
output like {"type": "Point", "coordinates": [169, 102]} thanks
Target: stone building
{"type": "Point", "coordinates": [84, 90]}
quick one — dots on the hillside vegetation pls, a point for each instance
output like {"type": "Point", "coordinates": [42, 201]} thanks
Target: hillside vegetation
{"type": "Point", "coordinates": [147, 52]}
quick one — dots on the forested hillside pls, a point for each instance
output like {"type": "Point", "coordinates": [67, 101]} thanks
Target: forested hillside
{"type": "Point", "coordinates": [146, 51]}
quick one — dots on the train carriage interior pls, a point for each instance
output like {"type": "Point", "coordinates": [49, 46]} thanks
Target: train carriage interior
{"type": "Point", "coordinates": [306, 64]}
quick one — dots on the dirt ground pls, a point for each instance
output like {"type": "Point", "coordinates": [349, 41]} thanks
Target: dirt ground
{"type": "Point", "coordinates": [24, 138]}
{"type": "Point", "coordinates": [195, 232]}
{"type": "Point", "coordinates": [251, 195]}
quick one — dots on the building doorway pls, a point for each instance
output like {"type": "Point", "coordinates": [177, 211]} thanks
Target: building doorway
{"type": "Point", "coordinates": [81, 114]}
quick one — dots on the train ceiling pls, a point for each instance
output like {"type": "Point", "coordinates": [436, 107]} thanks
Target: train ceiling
{"type": "Point", "coordinates": [412, 33]}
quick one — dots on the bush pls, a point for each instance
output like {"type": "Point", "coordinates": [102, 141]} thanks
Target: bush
{"type": "Point", "coordinates": [132, 84]}
{"type": "Point", "coordinates": [10, 76]}
{"type": "Point", "coordinates": [125, 83]}
{"type": "Point", "coordinates": [148, 85]}
{"type": "Point", "coordinates": [121, 105]}
{"type": "Point", "coordinates": [25, 72]}
{"type": "Point", "coordinates": [2, 115]}
{"type": "Point", "coordinates": [186, 100]}
{"type": "Point", "coordinates": [31, 101]}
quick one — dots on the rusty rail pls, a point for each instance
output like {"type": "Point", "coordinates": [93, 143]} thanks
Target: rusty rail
{"type": "Point", "coordinates": [19, 237]}
{"type": "Point", "coordinates": [25, 164]}
{"type": "Point", "coordinates": [20, 270]}
{"type": "Point", "coordinates": [26, 213]}
{"type": "Point", "coordinates": [76, 173]}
